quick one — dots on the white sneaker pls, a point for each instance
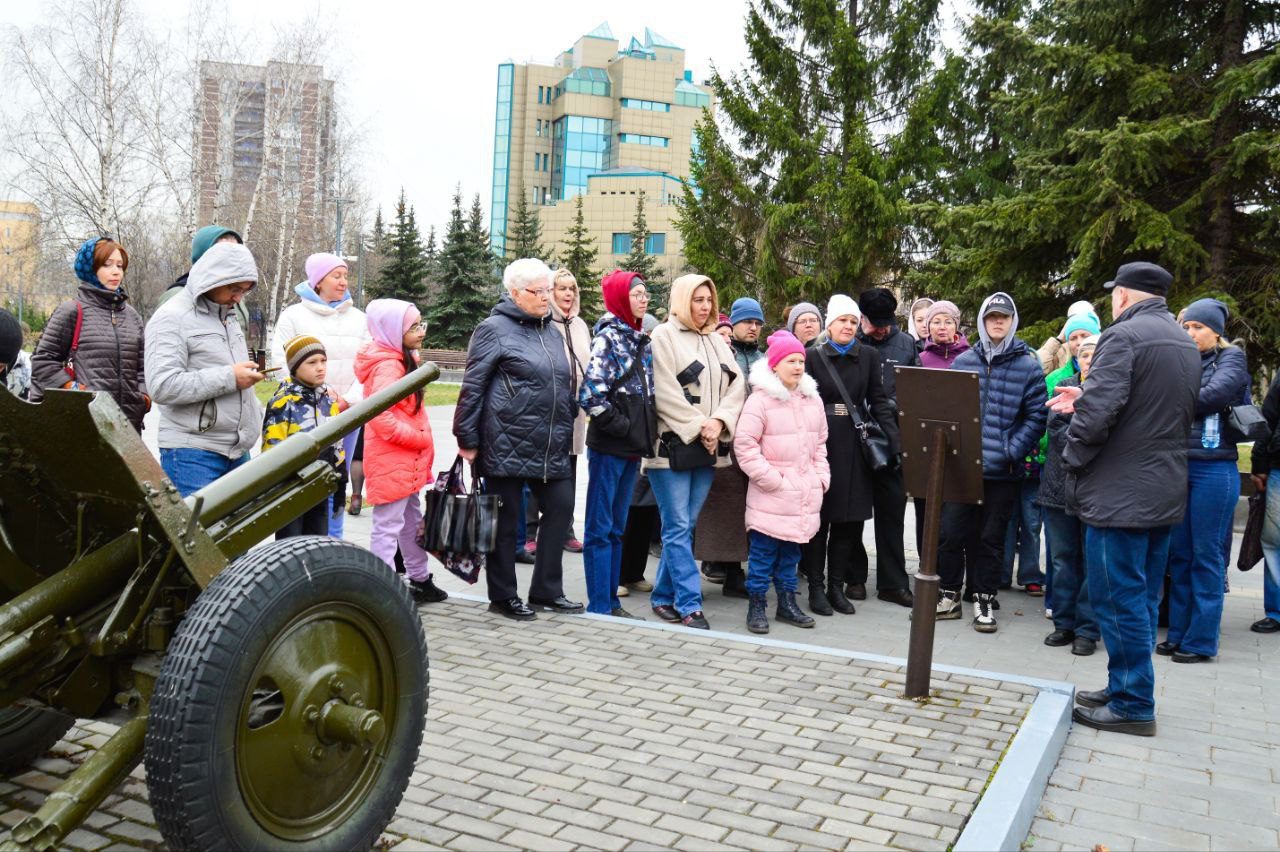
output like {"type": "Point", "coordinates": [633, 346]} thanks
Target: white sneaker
{"type": "Point", "coordinates": [984, 620]}
{"type": "Point", "coordinates": [1048, 613]}
{"type": "Point", "coordinates": [623, 591]}
{"type": "Point", "coordinates": [948, 606]}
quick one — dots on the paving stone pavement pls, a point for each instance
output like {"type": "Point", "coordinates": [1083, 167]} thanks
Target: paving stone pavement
{"type": "Point", "coordinates": [1208, 780]}
{"type": "Point", "coordinates": [570, 732]}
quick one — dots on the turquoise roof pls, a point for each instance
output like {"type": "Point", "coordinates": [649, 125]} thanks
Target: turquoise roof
{"type": "Point", "coordinates": [686, 86]}
{"type": "Point", "coordinates": [602, 31]}
{"type": "Point", "coordinates": [652, 39]}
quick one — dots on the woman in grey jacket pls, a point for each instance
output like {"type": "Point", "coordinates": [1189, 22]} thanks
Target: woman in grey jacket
{"type": "Point", "coordinates": [94, 341]}
{"type": "Point", "coordinates": [200, 374]}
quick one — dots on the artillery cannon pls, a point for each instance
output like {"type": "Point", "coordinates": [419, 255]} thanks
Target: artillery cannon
{"type": "Point", "coordinates": [278, 696]}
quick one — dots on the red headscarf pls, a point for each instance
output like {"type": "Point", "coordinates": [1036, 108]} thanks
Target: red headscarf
{"type": "Point", "coordinates": [616, 287]}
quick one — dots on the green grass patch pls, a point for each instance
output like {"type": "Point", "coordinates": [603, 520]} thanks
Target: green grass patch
{"type": "Point", "coordinates": [436, 393]}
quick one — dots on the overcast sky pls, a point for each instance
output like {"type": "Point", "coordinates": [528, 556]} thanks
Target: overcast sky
{"type": "Point", "coordinates": [419, 78]}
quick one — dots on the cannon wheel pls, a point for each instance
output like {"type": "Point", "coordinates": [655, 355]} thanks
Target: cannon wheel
{"type": "Point", "coordinates": [27, 733]}
{"type": "Point", "coordinates": [290, 708]}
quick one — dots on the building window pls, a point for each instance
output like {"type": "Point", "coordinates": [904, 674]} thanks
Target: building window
{"type": "Point", "coordinates": [501, 161]}
{"type": "Point", "coordinates": [655, 244]}
{"type": "Point", "coordinates": [586, 81]}
{"type": "Point", "coordinates": [539, 94]}
{"type": "Point", "coordinates": [651, 106]}
{"type": "Point", "coordinates": [690, 95]}
{"type": "Point", "coordinates": [538, 128]}
{"type": "Point", "coordinates": [641, 139]}
{"type": "Point", "coordinates": [581, 148]}
{"type": "Point", "coordinates": [622, 244]}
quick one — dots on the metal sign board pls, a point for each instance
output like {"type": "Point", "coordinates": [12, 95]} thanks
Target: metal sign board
{"type": "Point", "coordinates": [949, 399]}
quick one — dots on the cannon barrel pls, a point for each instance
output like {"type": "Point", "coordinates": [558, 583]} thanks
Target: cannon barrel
{"type": "Point", "coordinates": [242, 485]}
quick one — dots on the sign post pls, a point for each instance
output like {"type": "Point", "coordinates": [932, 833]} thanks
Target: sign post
{"type": "Point", "coordinates": [941, 426]}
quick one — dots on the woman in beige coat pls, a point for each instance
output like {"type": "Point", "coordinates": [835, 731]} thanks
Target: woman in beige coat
{"type": "Point", "coordinates": [699, 391]}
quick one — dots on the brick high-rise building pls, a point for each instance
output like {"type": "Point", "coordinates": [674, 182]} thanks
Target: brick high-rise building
{"type": "Point", "coordinates": [264, 130]}
{"type": "Point", "coordinates": [603, 122]}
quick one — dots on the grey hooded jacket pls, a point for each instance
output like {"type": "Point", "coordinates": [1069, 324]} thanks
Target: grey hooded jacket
{"type": "Point", "coordinates": [192, 345]}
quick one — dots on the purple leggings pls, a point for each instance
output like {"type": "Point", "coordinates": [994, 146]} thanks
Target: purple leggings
{"type": "Point", "coordinates": [397, 523]}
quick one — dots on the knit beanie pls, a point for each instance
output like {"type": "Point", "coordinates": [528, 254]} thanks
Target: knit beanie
{"type": "Point", "coordinates": [10, 339]}
{"type": "Point", "coordinates": [1208, 312]}
{"type": "Point", "coordinates": [745, 309]}
{"type": "Point", "coordinates": [1079, 322]}
{"type": "Point", "coordinates": [723, 323]}
{"type": "Point", "coordinates": [799, 311]}
{"type": "Point", "coordinates": [1089, 342]}
{"type": "Point", "coordinates": [300, 349]}
{"type": "Point", "coordinates": [781, 344]}
{"type": "Point", "coordinates": [942, 308]}
{"type": "Point", "coordinates": [206, 237]}
{"type": "Point", "coordinates": [84, 268]}
{"type": "Point", "coordinates": [320, 265]}
{"type": "Point", "coordinates": [841, 305]}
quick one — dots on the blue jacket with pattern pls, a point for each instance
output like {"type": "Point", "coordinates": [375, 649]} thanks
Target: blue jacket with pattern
{"type": "Point", "coordinates": [298, 407]}
{"type": "Point", "coordinates": [617, 392]}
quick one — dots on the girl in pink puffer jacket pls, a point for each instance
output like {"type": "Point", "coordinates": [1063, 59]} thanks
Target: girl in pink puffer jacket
{"type": "Point", "coordinates": [781, 444]}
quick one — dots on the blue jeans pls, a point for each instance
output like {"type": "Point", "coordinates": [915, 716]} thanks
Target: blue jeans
{"type": "Point", "coordinates": [680, 495]}
{"type": "Point", "coordinates": [190, 469]}
{"type": "Point", "coordinates": [1271, 547]}
{"type": "Point", "coordinates": [610, 482]}
{"type": "Point", "coordinates": [1197, 570]}
{"type": "Point", "coordinates": [771, 559]}
{"type": "Point", "coordinates": [1023, 537]}
{"type": "Point", "coordinates": [1069, 598]}
{"type": "Point", "coordinates": [1126, 571]}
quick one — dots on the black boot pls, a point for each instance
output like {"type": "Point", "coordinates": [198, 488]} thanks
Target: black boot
{"type": "Point", "coordinates": [790, 612]}
{"type": "Point", "coordinates": [835, 596]}
{"type": "Point", "coordinates": [735, 582]}
{"type": "Point", "coordinates": [757, 616]}
{"type": "Point", "coordinates": [818, 604]}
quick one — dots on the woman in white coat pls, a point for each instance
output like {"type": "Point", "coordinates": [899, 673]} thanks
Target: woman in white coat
{"type": "Point", "coordinates": [327, 312]}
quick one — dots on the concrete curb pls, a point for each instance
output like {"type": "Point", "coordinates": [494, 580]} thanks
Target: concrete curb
{"type": "Point", "coordinates": [1002, 817]}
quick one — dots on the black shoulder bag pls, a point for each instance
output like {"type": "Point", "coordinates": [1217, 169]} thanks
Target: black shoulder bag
{"type": "Point", "coordinates": [876, 451]}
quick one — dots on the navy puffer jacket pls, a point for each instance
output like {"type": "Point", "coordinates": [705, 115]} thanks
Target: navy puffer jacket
{"type": "Point", "coordinates": [1013, 406]}
{"type": "Point", "coordinates": [1224, 381]}
{"type": "Point", "coordinates": [515, 405]}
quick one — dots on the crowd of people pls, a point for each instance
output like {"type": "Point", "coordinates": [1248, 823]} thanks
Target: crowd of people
{"type": "Point", "coordinates": [741, 462]}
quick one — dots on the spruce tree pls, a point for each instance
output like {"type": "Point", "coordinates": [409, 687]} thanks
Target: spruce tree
{"type": "Point", "coordinates": [1117, 132]}
{"type": "Point", "coordinates": [579, 256]}
{"type": "Point", "coordinates": [431, 255]}
{"type": "Point", "coordinates": [467, 284]}
{"type": "Point", "coordinates": [833, 135]}
{"type": "Point", "coordinates": [642, 263]}
{"type": "Point", "coordinates": [524, 239]}
{"type": "Point", "coordinates": [403, 272]}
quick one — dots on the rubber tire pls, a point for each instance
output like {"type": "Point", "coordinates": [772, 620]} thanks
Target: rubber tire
{"type": "Point", "coordinates": [27, 733]}
{"type": "Point", "coordinates": [193, 788]}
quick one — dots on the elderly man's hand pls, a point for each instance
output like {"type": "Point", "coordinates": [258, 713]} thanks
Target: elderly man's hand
{"type": "Point", "coordinates": [1064, 400]}
{"type": "Point", "coordinates": [247, 374]}
{"type": "Point", "coordinates": [469, 455]}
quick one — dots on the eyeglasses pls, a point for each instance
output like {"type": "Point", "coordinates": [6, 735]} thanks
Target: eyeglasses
{"type": "Point", "coordinates": [540, 292]}
{"type": "Point", "coordinates": [642, 296]}
{"type": "Point", "coordinates": [419, 326]}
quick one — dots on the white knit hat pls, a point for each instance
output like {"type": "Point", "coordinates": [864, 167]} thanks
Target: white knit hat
{"type": "Point", "coordinates": [841, 306]}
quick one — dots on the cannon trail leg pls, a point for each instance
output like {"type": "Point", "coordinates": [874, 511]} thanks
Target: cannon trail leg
{"type": "Point", "coordinates": [80, 794]}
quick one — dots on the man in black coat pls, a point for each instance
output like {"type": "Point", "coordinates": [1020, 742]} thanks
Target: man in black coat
{"type": "Point", "coordinates": [514, 420]}
{"type": "Point", "coordinates": [896, 349]}
{"type": "Point", "coordinates": [840, 361]}
{"type": "Point", "coordinates": [1126, 461]}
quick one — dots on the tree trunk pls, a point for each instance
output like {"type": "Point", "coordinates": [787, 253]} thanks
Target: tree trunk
{"type": "Point", "coordinates": [1221, 199]}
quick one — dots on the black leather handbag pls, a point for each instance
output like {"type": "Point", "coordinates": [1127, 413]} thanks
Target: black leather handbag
{"type": "Point", "coordinates": [682, 456]}
{"type": "Point", "coordinates": [876, 450]}
{"type": "Point", "coordinates": [1247, 424]}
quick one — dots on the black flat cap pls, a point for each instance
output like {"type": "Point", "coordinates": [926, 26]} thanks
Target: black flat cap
{"type": "Point", "coordinates": [1147, 277]}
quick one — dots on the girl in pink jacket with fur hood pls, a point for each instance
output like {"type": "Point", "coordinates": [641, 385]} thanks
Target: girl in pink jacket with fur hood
{"type": "Point", "coordinates": [781, 444]}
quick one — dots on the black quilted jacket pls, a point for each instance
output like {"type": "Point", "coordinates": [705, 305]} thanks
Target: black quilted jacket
{"type": "Point", "coordinates": [515, 405]}
{"type": "Point", "coordinates": [109, 357]}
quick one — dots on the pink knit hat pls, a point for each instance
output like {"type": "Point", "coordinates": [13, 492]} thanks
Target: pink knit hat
{"type": "Point", "coordinates": [320, 265]}
{"type": "Point", "coordinates": [781, 344]}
